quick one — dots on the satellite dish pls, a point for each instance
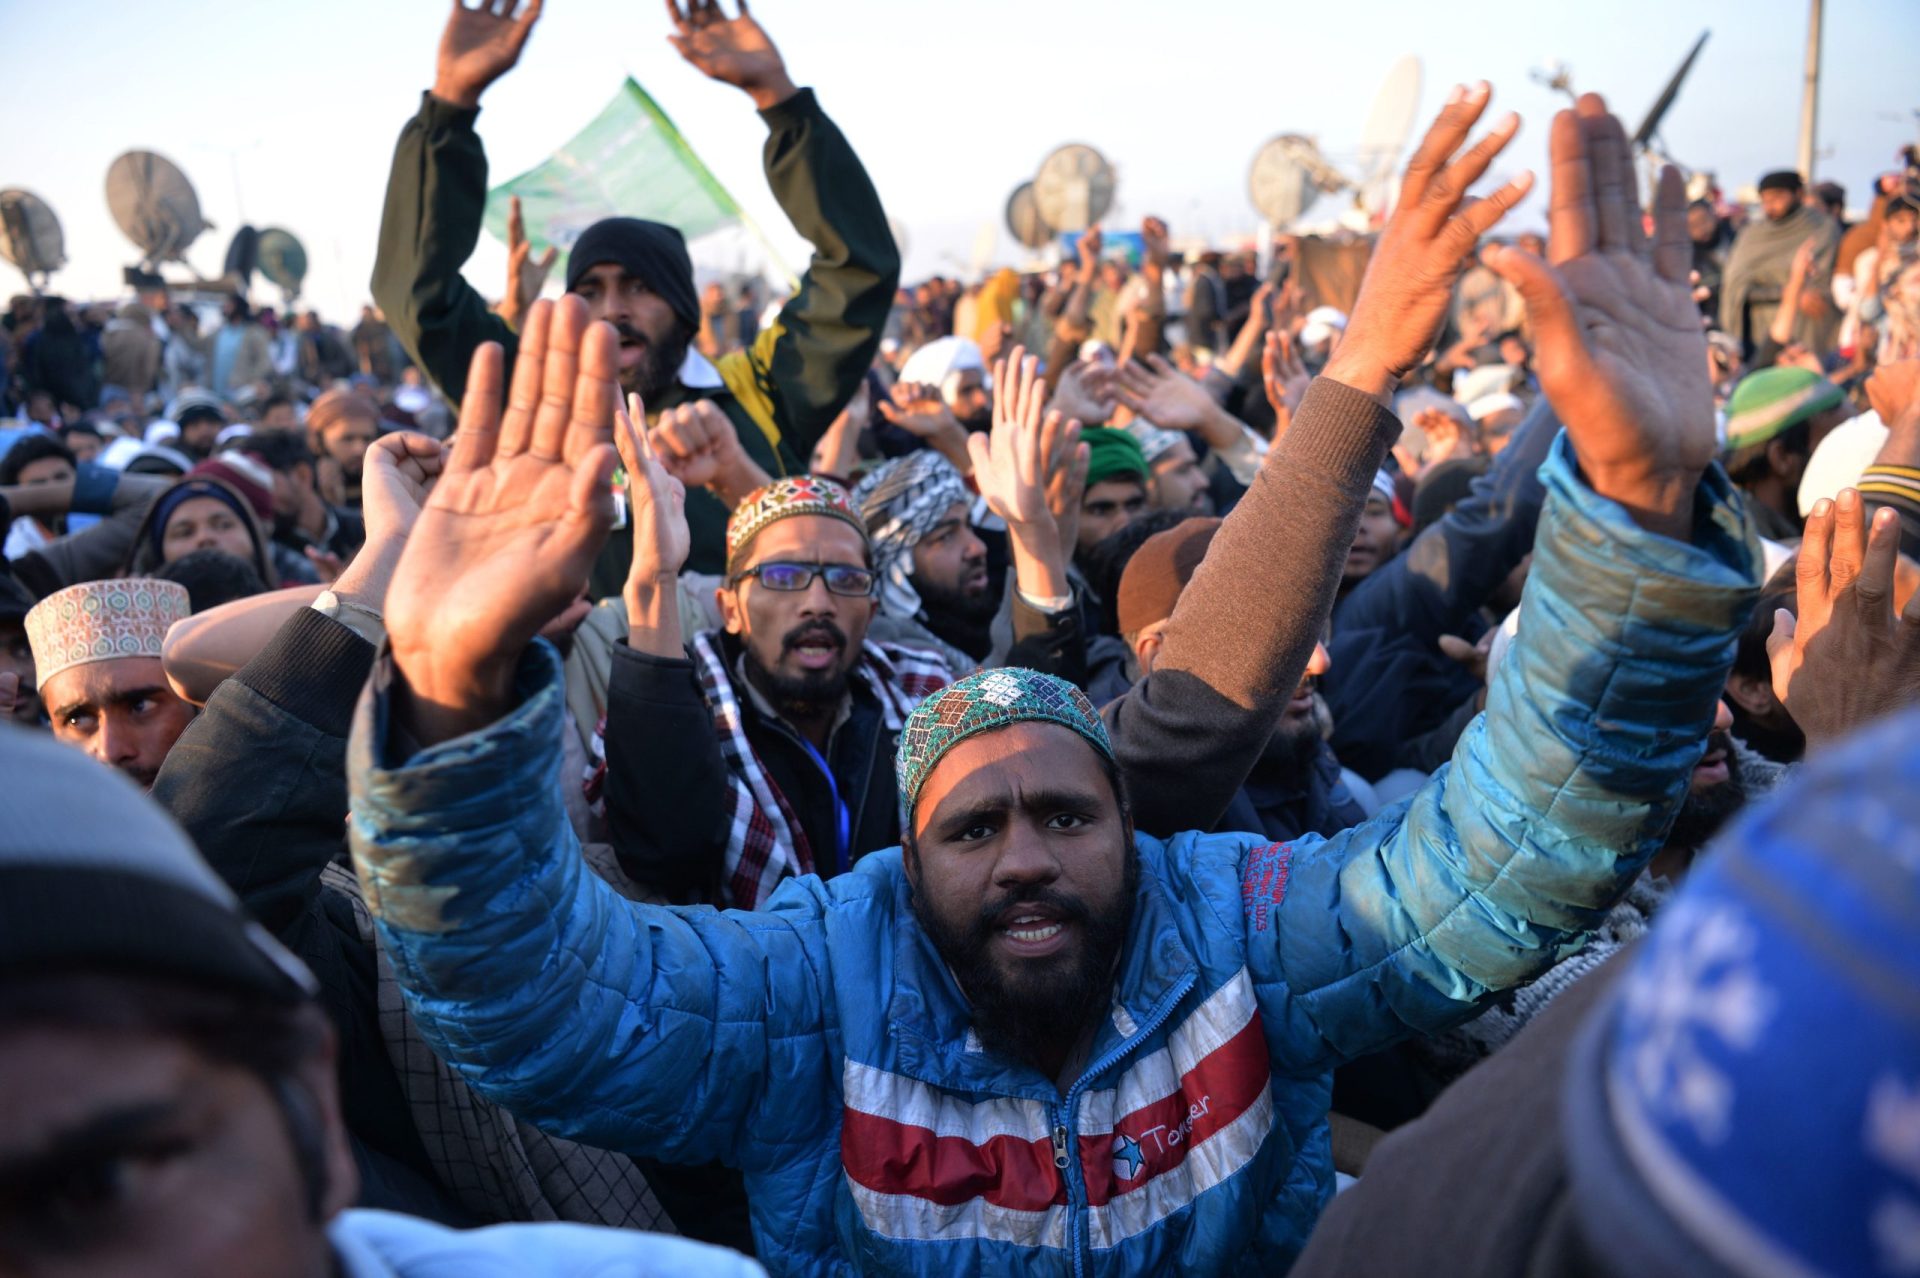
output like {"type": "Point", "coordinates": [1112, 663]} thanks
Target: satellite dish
{"type": "Point", "coordinates": [1388, 124]}
{"type": "Point", "coordinates": [243, 257]}
{"type": "Point", "coordinates": [1024, 220]}
{"type": "Point", "coordinates": [1074, 187]}
{"type": "Point", "coordinates": [30, 235]}
{"type": "Point", "coordinates": [155, 205]}
{"type": "Point", "coordinates": [283, 260]}
{"type": "Point", "coordinates": [1288, 175]}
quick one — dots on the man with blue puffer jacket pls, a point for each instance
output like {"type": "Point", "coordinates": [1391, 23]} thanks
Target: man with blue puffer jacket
{"type": "Point", "coordinates": [1034, 1039]}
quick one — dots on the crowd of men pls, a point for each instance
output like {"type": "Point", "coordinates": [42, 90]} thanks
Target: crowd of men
{"type": "Point", "coordinates": [1160, 765]}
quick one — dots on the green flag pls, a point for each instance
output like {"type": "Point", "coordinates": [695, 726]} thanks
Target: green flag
{"type": "Point", "coordinates": [629, 162]}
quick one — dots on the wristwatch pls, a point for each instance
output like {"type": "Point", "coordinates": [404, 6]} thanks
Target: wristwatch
{"type": "Point", "coordinates": [365, 621]}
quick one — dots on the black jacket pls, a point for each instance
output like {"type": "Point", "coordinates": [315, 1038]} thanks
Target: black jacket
{"type": "Point", "coordinates": [668, 801]}
{"type": "Point", "coordinates": [1390, 684]}
{"type": "Point", "coordinates": [1478, 1188]}
{"type": "Point", "coordinates": [259, 782]}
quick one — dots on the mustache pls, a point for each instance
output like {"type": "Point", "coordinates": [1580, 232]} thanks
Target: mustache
{"type": "Point", "coordinates": [994, 914]}
{"type": "Point", "coordinates": [628, 333]}
{"type": "Point", "coordinates": [821, 628]}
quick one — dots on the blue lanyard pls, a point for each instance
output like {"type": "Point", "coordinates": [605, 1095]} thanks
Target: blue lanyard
{"type": "Point", "coordinates": [839, 809]}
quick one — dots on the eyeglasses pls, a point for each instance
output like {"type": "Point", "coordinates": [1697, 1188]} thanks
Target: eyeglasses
{"type": "Point", "coordinates": [841, 579]}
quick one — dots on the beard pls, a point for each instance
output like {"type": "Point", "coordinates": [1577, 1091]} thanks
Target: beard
{"type": "Point", "coordinates": [812, 693]}
{"type": "Point", "coordinates": [960, 617]}
{"type": "Point", "coordinates": [1704, 811]}
{"type": "Point", "coordinates": [977, 422]}
{"type": "Point", "coordinates": [659, 366]}
{"type": "Point", "coordinates": [1031, 1014]}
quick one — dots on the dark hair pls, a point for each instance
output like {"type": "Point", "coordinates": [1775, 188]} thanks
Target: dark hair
{"type": "Point", "coordinates": [1745, 465]}
{"type": "Point", "coordinates": [30, 449]}
{"type": "Point", "coordinates": [270, 1039]}
{"type": "Point", "coordinates": [85, 426]}
{"type": "Point", "coordinates": [281, 450]}
{"type": "Point", "coordinates": [272, 402]}
{"type": "Point", "coordinates": [212, 578]}
{"type": "Point", "coordinates": [1108, 557]}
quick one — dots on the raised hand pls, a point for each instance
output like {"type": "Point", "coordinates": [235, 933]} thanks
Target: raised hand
{"type": "Point", "coordinates": [509, 534]}
{"type": "Point", "coordinates": [1010, 467]}
{"type": "Point", "coordinates": [1284, 377]}
{"type": "Point", "coordinates": [1086, 391]}
{"type": "Point", "coordinates": [1846, 658]}
{"type": "Point", "coordinates": [1620, 351]}
{"type": "Point", "coordinates": [731, 50]}
{"type": "Point", "coordinates": [479, 45]}
{"type": "Point", "coordinates": [398, 476]}
{"type": "Point", "coordinates": [1409, 282]}
{"type": "Point", "coordinates": [920, 410]}
{"type": "Point", "coordinates": [661, 540]}
{"type": "Point", "coordinates": [838, 451]}
{"type": "Point", "coordinates": [526, 275]}
{"type": "Point", "coordinates": [1171, 400]}
{"type": "Point", "coordinates": [694, 442]}
{"type": "Point", "coordinates": [1087, 248]}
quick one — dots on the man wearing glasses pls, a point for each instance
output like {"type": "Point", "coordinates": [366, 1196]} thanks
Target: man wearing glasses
{"type": "Point", "coordinates": [762, 749]}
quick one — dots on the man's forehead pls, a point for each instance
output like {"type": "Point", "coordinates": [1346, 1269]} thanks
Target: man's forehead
{"type": "Point", "coordinates": [98, 681]}
{"type": "Point", "coordinates": [1003, 761]}
{"type": "Point", "coordinates": [1116, 489]}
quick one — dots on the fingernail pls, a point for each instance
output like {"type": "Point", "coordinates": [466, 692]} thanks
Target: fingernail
{"type": "Point", "coordinates": [1849, 499]}
{"type": "Point", "coordinates": [1822, 508]}
{"type": "Point", "coordinates": [1456, 93]}
{"type": "Point", "coordinates": [1479, 91]}
{"type": "Point", "coordinates": [1508, 122]}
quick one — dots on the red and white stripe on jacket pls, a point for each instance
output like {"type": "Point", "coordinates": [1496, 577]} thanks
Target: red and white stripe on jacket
{"type": "Point", "coordinates": [924, 1164]}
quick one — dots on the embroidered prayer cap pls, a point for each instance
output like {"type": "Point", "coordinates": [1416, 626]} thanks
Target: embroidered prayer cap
{"type": "Point", "coordinates": [1772, 401]}
{"type": "Point", "coordinates": [902, 501]}
{"type": "Point", "coordinates": [102, 621]}
{"type": "Point", "coordinates": [980, 703]}
{"type": "Point", "coordinates": [783, 499]}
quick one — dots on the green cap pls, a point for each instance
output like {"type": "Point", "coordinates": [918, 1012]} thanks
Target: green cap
{"type": "Point", "coordinates": [1113, 454]}
{"type": "Point", "coordinates": [1772, 401]}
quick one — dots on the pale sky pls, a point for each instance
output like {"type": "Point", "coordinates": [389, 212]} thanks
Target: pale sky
{"type": "Point", "coordinates": [950, 105]}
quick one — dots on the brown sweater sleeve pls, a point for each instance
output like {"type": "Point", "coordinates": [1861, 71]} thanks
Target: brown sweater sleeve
{"type": "Point", "coordinates": [1234, 650]}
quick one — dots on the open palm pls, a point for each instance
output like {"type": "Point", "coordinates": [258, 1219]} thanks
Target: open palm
{"type": "Point", "coordinates": [510, 532]}
{"type": "Point", "coordinates": [1622, 356]}
{"type": "Point", "coordinates": [733, 51]}
{"type": "Point", "coordinates": [480, 45]}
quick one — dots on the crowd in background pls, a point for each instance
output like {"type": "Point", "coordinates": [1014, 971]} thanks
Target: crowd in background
{"type": "Point", "coordinates": [1017, 773]}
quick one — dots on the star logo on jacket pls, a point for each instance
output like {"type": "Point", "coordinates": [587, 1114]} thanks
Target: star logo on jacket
{"type": "Point", "coordinates": [1127, 1158]}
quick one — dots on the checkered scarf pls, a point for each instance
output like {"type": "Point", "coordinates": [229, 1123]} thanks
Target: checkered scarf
{"type": "Point", "coordinates": [901, 502]}
{"type": "Point", "coordinates": [765, 842]}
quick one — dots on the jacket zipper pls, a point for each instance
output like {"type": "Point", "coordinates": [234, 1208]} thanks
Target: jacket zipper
{"type": "Point", "coordinates": [1065, 1120]}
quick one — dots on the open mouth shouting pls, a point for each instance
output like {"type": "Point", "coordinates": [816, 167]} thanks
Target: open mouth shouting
{"type": "Point", "coordinates": [816, 647]}
{"type": "Point", "coordinates": [1032, 930]}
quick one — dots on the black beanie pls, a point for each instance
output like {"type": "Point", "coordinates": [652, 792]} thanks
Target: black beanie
{"type": "Point", "coordinates": [1782, 180]}
{"type": "Point", "coordinates": [653, 251]}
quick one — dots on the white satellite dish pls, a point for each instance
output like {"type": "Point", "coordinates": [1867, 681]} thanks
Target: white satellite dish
{"type": "Point", "coordinates": [1074, 187]}
{"type": "Point", "coordinates": [1024, 220]}
{"type": "Point", "coordinates": [30, 236]}
{"type": "Point", "coordinates": [155, 205]}
{"type": "Point", "coordinates": [1388, 124]}
{"type": "Point", "coordinates": [1289, 172]}
{"type": "Point", "coordinates": [1287, 176]}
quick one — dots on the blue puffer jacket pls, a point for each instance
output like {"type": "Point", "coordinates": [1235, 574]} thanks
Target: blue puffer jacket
{"type": "Point", "coordinates": [822, 1046]}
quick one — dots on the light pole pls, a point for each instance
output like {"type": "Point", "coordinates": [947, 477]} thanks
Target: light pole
{"type": "Point", "coordinates": [1810, 92]}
